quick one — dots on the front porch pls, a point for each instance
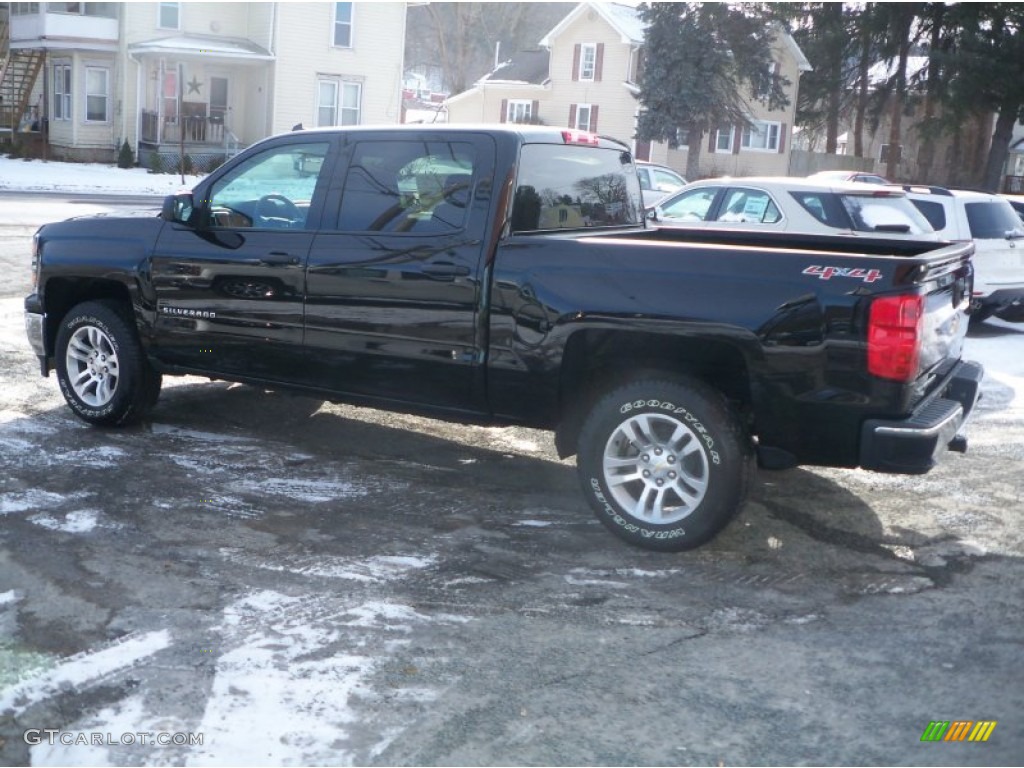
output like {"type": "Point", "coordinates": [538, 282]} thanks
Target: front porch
{"type": "Point", "coordinates": [191, 91]}
{"type": "Point", "coordinates": [205, 140]}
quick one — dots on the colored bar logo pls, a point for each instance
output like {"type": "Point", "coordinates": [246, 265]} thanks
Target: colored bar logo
{"type": "Point", "coordinates": [959, 730]}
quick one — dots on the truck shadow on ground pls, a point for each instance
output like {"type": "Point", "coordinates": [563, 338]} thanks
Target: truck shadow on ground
{"type": "Point", "coordinates": [994, 329]}
{"type": "Point", "coordinates": [786, 514]}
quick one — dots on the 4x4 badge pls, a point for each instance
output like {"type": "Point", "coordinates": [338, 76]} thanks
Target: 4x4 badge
{"type": "Point", "coordinates": [857, 273]}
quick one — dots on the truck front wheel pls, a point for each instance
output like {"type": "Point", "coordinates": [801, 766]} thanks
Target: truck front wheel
{"type": "Point", "coordinates": [664, 463]}
{"type": "Point", "coordinates": [102, 371]}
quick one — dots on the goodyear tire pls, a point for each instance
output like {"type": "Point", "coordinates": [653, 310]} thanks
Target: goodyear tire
{"type": "Point", "coordinates": [664, 463]}
{"type": "Point", "coordinates": [102, 371]}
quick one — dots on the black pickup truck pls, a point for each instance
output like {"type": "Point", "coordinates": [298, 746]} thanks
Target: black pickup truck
{"type": "Point", "coordinates": [505, 276]}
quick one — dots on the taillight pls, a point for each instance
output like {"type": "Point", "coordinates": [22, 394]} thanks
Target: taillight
{"type": "Point", "coordinates": [894, 336]}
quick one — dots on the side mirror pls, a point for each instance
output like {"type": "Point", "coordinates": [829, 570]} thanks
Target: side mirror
{"type": "Point", "coordinates": [177, 208]}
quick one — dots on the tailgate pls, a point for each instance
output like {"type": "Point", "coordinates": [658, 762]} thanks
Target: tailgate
{"type": "Point", "coordinates": [947, 280]}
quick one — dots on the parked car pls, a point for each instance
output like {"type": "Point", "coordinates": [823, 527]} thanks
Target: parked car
{"type": "Point", "coordinates": [657, 182]}
{"type": "Point", "coordinates": [998, 234]}
{"type": "Point", "coordinates": [789, 204]}
{"type": "Point", "coordinates": [861, 176]}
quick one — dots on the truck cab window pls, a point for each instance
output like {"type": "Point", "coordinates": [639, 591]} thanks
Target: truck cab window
{"type": "Point", "coordinates": [571, 187]}
{"type": "Point", "coordinates": [420, 187]}
{"type": "Point", "coordinates": [273, 190]}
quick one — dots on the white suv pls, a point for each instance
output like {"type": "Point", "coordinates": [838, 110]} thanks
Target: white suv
{"type": "Point", "coordinates": [657, 181]}
{"type": "Point", "coordinates": [998, 235]}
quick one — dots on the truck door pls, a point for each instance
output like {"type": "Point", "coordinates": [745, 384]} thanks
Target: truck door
{"type": "Point", "coordinates": [393, 285]}
{"type": "Point", "coordinates": [230, 283]}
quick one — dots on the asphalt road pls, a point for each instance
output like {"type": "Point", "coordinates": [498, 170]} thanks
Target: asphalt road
{"type": "Point", "coordinates": [307, 583]}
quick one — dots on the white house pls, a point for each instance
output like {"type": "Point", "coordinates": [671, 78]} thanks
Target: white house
{"type": "Point", "coordinates": [206, 77]}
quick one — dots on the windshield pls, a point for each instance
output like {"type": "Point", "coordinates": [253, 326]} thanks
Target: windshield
{"type": "Point", "coordinates": [566, 186]}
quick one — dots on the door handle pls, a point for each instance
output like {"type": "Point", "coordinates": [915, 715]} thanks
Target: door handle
{"type": "Point", "coordinates": [279, 257]}
{"type": "Point", "coordinates": [444, 269]}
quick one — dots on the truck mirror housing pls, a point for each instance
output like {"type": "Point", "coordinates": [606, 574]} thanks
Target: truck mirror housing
{"type": "Point", "coordinates": [177, 208]}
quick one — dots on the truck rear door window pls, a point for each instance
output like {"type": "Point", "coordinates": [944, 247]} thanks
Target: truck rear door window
{"type": "Point", "coordinates": [420, 187]}
{"type": "Point", "coordinates": [572, 186]}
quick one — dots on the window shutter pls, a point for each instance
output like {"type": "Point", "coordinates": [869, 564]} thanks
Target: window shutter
{"type": "Point", "coordinates": [576, 62]}
{"type": "Point", "coordinates": [712, 140]}
{"type": "Point", "coordinates": [737, 139]}
{"type": "Point", "coordinates": [598, 62]}
{"type": "Point", "coordinates": [593, 118]}
{"type": "Point", "coordinates": [572, 115]}
{"type": "Point", "coordinates": [782, 138]}
{"type": "Point", "coordinates": [504, 110]}
{"type": "Point", "coordinates": [535, 111]}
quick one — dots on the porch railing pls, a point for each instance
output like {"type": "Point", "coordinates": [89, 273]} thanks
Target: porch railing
{"type": "Point", "coordinates": [194, 130]}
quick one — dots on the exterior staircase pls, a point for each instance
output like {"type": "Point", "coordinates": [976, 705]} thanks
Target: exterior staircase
{"type": "Point", "coordinates": [18, 72]}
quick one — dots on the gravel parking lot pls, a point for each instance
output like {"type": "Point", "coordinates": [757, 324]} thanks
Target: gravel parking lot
{"type": "Point", "coordinates": [295, 582]}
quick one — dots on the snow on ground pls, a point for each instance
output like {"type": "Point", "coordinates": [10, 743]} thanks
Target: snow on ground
{"type": "Point", "coordinates": [52, 176]}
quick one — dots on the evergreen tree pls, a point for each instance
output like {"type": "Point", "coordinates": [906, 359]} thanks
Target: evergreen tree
{"type": "Point", "coordinates": [988, 74]}
{"type": "Point", "coordinates": [125, 156]}
{"type": "Point", "coordinates": [825, 33]}
{"type": "Point", "coordinates": [703, 62]}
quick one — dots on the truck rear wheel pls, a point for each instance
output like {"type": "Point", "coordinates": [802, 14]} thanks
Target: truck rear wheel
{"type": "Point", "coordinates": [102, 371]}
{"type": "Point", "coordinates": [664, 463]}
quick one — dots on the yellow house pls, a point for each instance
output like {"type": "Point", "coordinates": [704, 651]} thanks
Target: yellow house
{"type": "Point", "coordinates": [586, 75]}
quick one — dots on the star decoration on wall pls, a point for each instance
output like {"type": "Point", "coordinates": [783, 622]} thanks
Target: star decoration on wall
{"type": "Point", "coordinates": [194, 85]}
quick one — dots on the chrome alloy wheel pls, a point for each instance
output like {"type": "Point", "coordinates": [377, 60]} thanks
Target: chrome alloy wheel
{"type": "Point", "coordinates": [656, 468]}
{"type": "Point", "coordinates": [92, 366]}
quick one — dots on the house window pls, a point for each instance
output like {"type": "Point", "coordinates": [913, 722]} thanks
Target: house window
{"type": "Point", "coordinates": [519, 111]}
{"type": "Point", "coordinates": [331, 111]}
{"type": "Point", "coordinates": [343, 25]}
{"type": "Point", "coordinates": [326, 102]}
{"type": "Point", "coordinates": [583, 118]}
{"type": "Point", "coordinates": [761, 136]}
{"type": "Point", "coordinates": [351, 96]}
{"type": "Point", "coordinates": [24, 9]}
{"type": "Point", "coordinates": [61, 91]}
{"type": "Point", "coordinates": [97, 94]}
{"type": "Point", "coordinates": [104, 10]}
{"type": "Point", "coordinates": [588, 61]}
{"type": "Point", "coordinates": [723, 139]}
{"type": "Point", "coordinates": [170, 16]}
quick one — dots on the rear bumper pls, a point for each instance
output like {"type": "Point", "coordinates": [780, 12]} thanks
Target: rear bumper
{"type": "Point", "coordinates": [914, 444]}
